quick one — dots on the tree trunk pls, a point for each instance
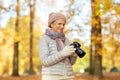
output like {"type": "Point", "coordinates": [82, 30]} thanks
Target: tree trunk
{"type": "Point", "coordinates": [96, 45]}
{"type": "Point", "coordinates": [16, 44]}
{"type": "Point", "coordinates": [32, 12]}
{"type": "Point", "coordinates": [92, 58]}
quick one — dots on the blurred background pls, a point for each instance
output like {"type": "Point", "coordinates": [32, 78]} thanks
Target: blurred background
{"type": "Point", "coordinates": [95, 24]}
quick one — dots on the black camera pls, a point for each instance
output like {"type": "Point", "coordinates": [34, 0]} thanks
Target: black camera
{"type": "Point", "coordinates": [78, 50]}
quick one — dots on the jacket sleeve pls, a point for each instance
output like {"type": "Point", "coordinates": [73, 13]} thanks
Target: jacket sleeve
{"type": "Point", "coordinates": [72, 58]}
{"type": "Point", "coordinates": [46, 59]}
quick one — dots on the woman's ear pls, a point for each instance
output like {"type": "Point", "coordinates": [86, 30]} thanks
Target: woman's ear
{"type": "Point", "coordinates": [51, 25]}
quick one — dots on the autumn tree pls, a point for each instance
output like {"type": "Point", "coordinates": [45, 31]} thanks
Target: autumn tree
{"type": "Point", "coordinates": [111, 40]}
{"type": "Point", "coordinates": [32, 14]}
{"type": "Point", "coordinates": [99, 8]}
{"type": "Point", "coordinates": [16, 43]}
{"type": "Point", "coordinates": [96, 41]}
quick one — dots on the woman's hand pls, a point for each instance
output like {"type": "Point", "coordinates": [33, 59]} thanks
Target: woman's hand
{"type": "Point", "coordinates": [68, 50]}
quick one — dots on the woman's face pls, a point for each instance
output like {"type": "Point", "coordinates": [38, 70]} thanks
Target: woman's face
{"type": "Point", "coordinates": [58, 25]}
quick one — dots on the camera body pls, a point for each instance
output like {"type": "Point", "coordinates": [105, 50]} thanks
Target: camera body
{"type": "Point", "coordinates": [78, 50]}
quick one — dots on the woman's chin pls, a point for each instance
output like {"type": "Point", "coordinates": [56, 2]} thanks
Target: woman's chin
{"type": "Point", "coordinates": [60, 31]}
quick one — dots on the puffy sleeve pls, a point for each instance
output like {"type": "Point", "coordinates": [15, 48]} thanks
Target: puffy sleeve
{"type": "Point", "coordinates": [45, 58]}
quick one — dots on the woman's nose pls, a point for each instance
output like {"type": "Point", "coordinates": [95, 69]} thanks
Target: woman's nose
{"type": "Point", "coordinates": [62, 26]}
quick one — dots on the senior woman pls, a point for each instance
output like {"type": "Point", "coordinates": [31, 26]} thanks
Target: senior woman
{"type": "Point", "coordinates": [56, 54]}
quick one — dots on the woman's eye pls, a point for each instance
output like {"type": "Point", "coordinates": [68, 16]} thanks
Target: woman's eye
{"type": "Point", "coordinates": [59, 23]}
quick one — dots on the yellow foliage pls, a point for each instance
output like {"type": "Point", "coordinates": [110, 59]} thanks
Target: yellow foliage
{"type": "Point", "coordinates": [17, 39]}
{"type": "Point", "coordinates": [1, 68]}
{"type": "Point", "coordinates": [102, 5]}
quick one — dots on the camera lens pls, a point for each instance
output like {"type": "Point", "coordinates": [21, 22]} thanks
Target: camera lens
{"type": "Point", "coordinates": [78, 50]}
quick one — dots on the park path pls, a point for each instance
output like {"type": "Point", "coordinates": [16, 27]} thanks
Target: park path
{"type": "Point", "coordinates": [107, 76]}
